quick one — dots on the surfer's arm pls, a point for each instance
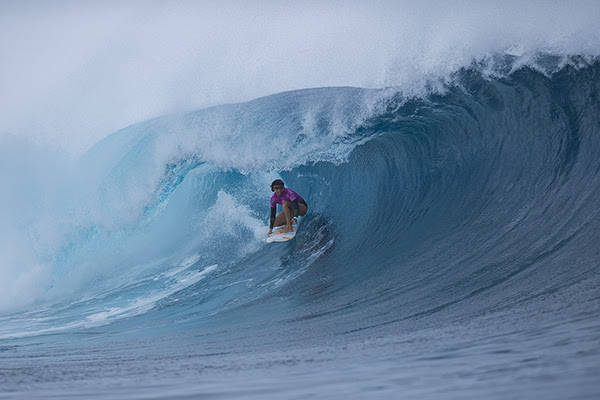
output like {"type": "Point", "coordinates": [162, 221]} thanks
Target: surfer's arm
{"type": "Point", "coordinates": [296, 209]}
{"type": "Point", "coordinates": [272, 220]}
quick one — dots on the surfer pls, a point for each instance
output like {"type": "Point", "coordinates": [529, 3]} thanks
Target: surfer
{"type": "Point", "coordinates": [293, 207]}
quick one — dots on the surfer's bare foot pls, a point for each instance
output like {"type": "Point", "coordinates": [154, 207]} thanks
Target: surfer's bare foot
{"type": "Point", "coordinates": [287, 229]}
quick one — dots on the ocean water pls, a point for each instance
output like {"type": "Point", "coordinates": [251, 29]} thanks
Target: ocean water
{"type": "Point", "coordinates": [451, 248]}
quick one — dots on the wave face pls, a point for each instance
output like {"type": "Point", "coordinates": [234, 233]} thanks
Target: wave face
{"type": "Point", "coordinates": [451, 242]}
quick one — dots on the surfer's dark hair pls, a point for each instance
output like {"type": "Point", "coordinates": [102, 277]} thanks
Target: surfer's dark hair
{"type": "Point", "coordinates": [277, 182]}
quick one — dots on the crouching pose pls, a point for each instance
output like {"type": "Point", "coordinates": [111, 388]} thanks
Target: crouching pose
{"type": "Point", "coordinates": [293, 205]}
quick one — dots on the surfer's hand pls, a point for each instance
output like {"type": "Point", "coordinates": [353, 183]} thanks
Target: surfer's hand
{"type": "Point", "coordinates": [270, 232]}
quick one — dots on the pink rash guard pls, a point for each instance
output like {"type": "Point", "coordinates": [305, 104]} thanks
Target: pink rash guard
{"type": "Point", "coordinates": [288, 195]}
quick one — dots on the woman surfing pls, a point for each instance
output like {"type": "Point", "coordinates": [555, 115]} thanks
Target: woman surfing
{"type": "Point", "coordinates": [293, 205]}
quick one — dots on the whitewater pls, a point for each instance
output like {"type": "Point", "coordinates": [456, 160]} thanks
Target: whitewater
{"type": "Point", "coordinates": [450, 249]}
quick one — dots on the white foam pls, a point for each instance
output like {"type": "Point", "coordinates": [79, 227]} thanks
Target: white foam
{"type": "Point", "coordinates": [144, 304]}
{"type": "Point", "coordinates": [228, 217]}
{"type": "Point", "coordinates": [32, 324]}
{"type": "Point", "coordinates": [142, 59]}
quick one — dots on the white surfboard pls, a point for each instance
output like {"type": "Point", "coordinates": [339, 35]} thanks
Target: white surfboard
{"type": "Point", "coordinates": [278, 236]}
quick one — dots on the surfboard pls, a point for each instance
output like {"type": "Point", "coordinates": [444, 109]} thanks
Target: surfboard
{"type": "Point", "coordinates": [278, 236]}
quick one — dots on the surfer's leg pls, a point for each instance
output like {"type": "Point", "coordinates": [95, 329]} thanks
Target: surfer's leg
{"type": "Point", "coordinates": [288, 214]}
{"type": "Point", "coordinates": [280, 219]}
{"type": "Point", "coordinates": [303, 209]}
{"type": "Point", "coordinates": [285, 217]}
